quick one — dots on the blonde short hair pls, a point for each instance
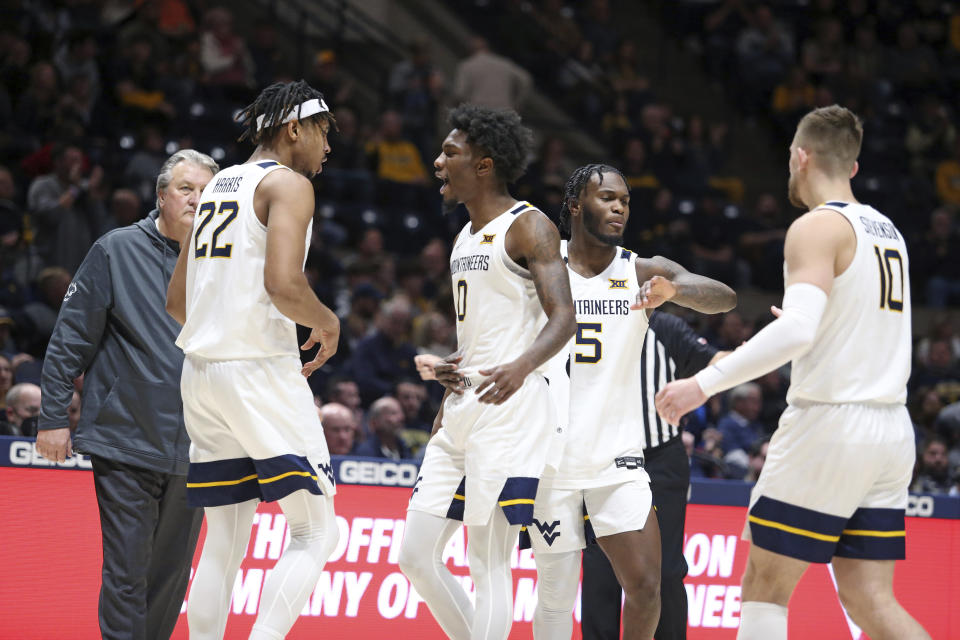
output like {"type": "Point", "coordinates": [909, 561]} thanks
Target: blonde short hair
{"type": "Point", "coordinates": [833, 135]}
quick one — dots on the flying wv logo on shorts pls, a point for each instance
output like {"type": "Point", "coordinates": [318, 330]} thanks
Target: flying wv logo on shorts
{"type": "Point", "coordinates": [550, 532]}
{"type": "Point", "coordinates": [327, 471]}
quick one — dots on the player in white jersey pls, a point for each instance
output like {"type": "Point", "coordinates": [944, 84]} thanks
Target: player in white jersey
{"type": "Point", "coordinates": [499, 427]}
{"type": "Point", "coordinates": [598, 386]}
{"type": "Point", "coordinates": [238, 288]}
{"type": "Point", "coordinates": [835, 481]}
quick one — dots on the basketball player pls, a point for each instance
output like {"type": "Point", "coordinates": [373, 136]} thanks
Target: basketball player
{"type": "Point", "coordinates": [598, 385]}
{"type": "Point", "coordinates": [834, 485]}
{"type": "Point", "coordinates": [498, 422]}
{"type": "Point", "coordinates": [238, 289]}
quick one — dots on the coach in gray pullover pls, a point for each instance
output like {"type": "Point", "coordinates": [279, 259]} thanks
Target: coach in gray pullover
{"type": "Point", "coordinates": [114, 329]}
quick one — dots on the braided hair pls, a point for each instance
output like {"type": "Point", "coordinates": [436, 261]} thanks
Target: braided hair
{"type": "Point", "coordinates": [274, 103]}
{"type": "Point", "coordinates": [576, 183]}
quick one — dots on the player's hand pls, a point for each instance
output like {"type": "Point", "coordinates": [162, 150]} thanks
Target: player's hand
{"type": "Point", "coordinates": [448, 373]}
{"type": "Point", "coordinates": [55, 444]}
{"type": "Point", "coordinates": [502, 382]}
{"type": "Point", "coordinates": [679, 398]}
{"type": "Point", "coordinates": [328, 339]}
{"type": "Point", "coordinates": [776, 311]}
{"type": "Point", "coordinates": [425, 363]}
{"type": "Point", "coordinates": [653, 293]}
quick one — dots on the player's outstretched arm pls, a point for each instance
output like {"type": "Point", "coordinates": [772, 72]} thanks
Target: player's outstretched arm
{"type": "Point", "coordinates": [815, 250]}
{"type": "Point", "coordinates": [535, 240]}
{"type": "Point", "coordinates": [287, 199]}
{"type": "Point", "coordinates": [664, 280]}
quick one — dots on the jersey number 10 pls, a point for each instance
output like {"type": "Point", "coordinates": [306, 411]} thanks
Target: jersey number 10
{"type": "Point", "coordinates": [207, 209]}
{"type": "Point", "coordinates": [891, 281]}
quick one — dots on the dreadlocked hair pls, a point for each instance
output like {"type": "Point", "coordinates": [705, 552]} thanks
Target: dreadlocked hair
{"type": "Point", "coordinates": [576, 183]}
{"type": "Point", "coordinates": [274, 103]}
{"type": "Point", "coordinates": [497, 133]}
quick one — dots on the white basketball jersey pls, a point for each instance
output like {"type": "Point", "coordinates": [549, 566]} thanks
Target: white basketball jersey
{"type": "Point", "coordinates": [862, 350]}
{"type": "Point", "coordinates": [498, 311]}
{"type": "Point", "coordinates": [229, 314]}
{"type": "Point", "coordinates": [597, 382]}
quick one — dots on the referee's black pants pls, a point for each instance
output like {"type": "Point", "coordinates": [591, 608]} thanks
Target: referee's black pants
{"type": "Point", "coordinates": [149, 536]}
{"type": "Point", "coordinates": [669, 472]}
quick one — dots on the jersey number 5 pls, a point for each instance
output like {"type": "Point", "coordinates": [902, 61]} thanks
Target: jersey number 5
{"type": "Point", "coordinates": [207, 209]}
{"type": "Point", "coordinates": [583, 340]}
{"type": "Point", "coordinates": [891, 282]}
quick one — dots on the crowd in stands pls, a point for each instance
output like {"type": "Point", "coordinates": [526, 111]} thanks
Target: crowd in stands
{"type": "Point", "coordinates": [94, 96]}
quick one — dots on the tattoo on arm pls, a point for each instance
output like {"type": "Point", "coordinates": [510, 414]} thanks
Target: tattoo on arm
{"type": "Point", "coordinates": [694, 291]}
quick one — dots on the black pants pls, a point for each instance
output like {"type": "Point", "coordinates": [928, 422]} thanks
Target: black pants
{"type": "Point", "coordinates": [149, 536]}
{"type": "Point", "coordinates": [669, 472]}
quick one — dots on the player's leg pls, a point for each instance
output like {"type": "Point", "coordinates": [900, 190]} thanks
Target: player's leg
{"type": "Point", "coordinates": [421, 560]}
{"type": "Point", "coordinates": [174, 542]}
{"type": "Point", "coordinates": [313, 537]}
{"type": "Point", "coordinates": [768, 583]}
{"type": "Point", "coordinates": [228, 533]}
{"type": "Point", "coordinates": [600, 597]}
{"type": "Point", "coordinates": [866, 591]}
{"type": "Point", "coordinates": [557, 580]}
{"type": "Point", "coordinates": [669, 471]}
{"type": "Point", "coordinates": [635, 558]}
{"type": "Point", "coordinates": [489, 549]}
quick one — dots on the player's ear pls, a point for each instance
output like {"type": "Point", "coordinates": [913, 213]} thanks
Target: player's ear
{"type": "Point", "coordinates": [292, 130]}
{"type": "Point", "coordinates": [485, 166]}
{"type": "Point", "coordinates": [856, 168]}
{"type": "Point", "coordinates": [573, 206]}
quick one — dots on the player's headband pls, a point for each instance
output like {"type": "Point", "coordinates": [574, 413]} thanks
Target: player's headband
{"type": "Point", "coordinates": [305, 110]}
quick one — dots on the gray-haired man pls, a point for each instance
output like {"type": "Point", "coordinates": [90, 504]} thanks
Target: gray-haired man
{"type": "Point", "coordinates": [114, 327]}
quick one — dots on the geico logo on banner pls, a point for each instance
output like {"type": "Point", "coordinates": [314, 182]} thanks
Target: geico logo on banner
{"type": "Point", "coordinates": [388, 474]}
{"type": "Point", "coordinates": [24, 453]}
{"type": "Point", "coordinates": [711, 605]}
{"type": "Point", "coordinates": [374, 542]}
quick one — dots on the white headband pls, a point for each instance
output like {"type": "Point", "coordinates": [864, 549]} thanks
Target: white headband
{"type": "Point", "coordinates": [305, 110]}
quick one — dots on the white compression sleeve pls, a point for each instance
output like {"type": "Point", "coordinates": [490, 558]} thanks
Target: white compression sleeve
{"type": "Point", "coordinates": [786, 338]}
{"type": "Point", "coordinates": [558, 576]}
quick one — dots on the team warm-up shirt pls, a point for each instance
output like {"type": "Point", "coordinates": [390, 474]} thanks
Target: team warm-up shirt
{"type": "Point", "coordinates": [229, 314]}
{"type": "Point", "coordinates": [862, 349]}
{"type": "Point", "coordinates": [498, 311]}
{"type": "Point", "coordinates": [597, 381]}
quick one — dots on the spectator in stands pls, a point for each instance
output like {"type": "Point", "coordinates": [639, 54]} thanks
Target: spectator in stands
{"type": "Point", "coordinates": [758, 455]}
{"type": "Point", "coordinates": [52, 286]}
{"type": "Point", "coordinates": [773, 389]}
{"type": "Point", "coordinates": [948, 177]}
{"type": "Point", "coordinates": [765, 52]}
{"type": "Point", "coordinates": [436, 271]}
{"type": "Point", "coordinates": [266, 56]}
{"type": "Point", "coordinates": [144, 164]}
{"type": "Point", "coordinates": [927, 409]}
{"type": "Point", "coordinates": [824, 55]}
{"type": "Point", "coordinates": [114, 329]}
{"type": "Point", "coordinates": [434, 333]}
{"type": "Point", "coordinates": [761, 242]}
{"type": "Point", "coordinates": [336, 83]}
{"type": "Point", "coordinates": [713, 243]}
{"type": "Point", "coordinates": [739, 427]}
{"type": "Point", "coordinates": [6, 379]}
{"type": "Point", "coordinates": [491, 80]}
{"type": "Point", "coordinates": [939, 373]}
{"type": "Point", "coordinates": [412, 396]}
{"type": "Point", "coordinates": [911, 65]}
{"type": "Point", "coordinates": [77, 57]}
{"type": "Point", "coordinates": [125, 209]}
{"type": "Point", "coordinates": [36, 107]}
{"type": "Point", "coordinates": [345, 172]}
{"type": "Point", "coordinates": [345, 391]}
{"type": "Point", "coordinates": [339, 428]}
{"type": "Point", "coordinates": [386, 422]}
{"type": "Point", "coordinates": [934, 258]}
{"type": "Point", "coordinates": [359, 322]}
{"type": "Point", "coordinates": [942, 327]}
{"type": "Point", "coordinates": [415, 88]}
{"type": "Point", "coordinates": [386, 355]}
{"type": "Point", "coordinates": [792, 98]}
{"type": "Point", "coordinates": [67, 207]}
{"type": "Point", "coordinates": [23, 407]}
{"type": "Point", "coordinates": [396, 162]}
{"type": "Point", "coordinates": [224, 55]}
{"type": "Point", "coordinates": [930, 136]}
{"type": "Point", "coordinates": [626, 78]}
{"type": "Point", "coordinates": [933, 469]}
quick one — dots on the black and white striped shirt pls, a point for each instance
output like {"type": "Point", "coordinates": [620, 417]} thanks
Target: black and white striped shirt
{"type": "Point", "coordinates": [671, 350]}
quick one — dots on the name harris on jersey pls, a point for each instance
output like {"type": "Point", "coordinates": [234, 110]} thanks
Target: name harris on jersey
{"type": "Point", "coordinates": [227, 184]}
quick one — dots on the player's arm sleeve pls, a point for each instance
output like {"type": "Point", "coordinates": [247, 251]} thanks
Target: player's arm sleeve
{"type": "Point", "coordinates": [690, 352]}
{"type": "Point", "coordinates": [785, 339]}
{"type": "Point", "coordinates": [76, 336]}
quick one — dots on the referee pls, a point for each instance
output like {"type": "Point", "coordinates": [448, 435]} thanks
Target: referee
{"type": "Point", "coordinates": [671, 350]}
